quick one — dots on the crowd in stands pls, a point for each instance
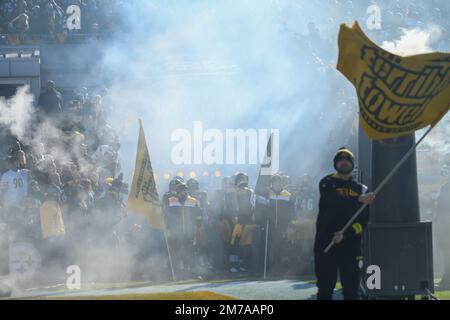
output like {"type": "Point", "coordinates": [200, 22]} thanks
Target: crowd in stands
{"type": "Point", "coordinates": [34, 21]}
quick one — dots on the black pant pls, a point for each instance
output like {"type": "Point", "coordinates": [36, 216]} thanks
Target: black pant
{"type": "Point", "coordinates": [182, 251]}
{"type": "Point", "coordinates": [276, 248]}
{"type": "Point", "coordinates": [341, 258]}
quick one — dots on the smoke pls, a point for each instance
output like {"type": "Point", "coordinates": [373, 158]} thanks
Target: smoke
{"type": "Point", "coordinates": [414, 41]}
{"type": "Point", "coordinates": [16, 112]}
{"type": "Point", "coordinates": [50, 148]}
{"type": "Point", "coordinates": [246, 65]}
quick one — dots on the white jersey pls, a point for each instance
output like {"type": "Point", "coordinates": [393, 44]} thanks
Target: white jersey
{"type": "Point", "coordinates": [14, 185]}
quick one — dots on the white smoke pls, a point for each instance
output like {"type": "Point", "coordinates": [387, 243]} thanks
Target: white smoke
{"type": "Point", "coordinates": [17, 115]}
{"type": "Point", "coordinates": [16, 112]}
{"type": "Point", "coordinates": [230, 67]}
{"type": "Point", "coordinates": [414, 41]}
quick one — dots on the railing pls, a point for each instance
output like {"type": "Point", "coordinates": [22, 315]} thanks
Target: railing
{"type": "Point", "coordinates": [15, 39]}
{"type": "Point", "coordinates": [19, 52]}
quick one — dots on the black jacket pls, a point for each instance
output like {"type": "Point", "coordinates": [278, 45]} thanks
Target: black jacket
{"type": "Point", "coordinates": [182, 217]}
{"type": "Point", "coordinates": [50, 102]}
{"type": "Point", "coordinates": [338, 203]}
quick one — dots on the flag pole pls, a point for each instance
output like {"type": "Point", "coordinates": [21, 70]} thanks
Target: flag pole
{"type": "Point", "coordinates": [382, 184]}
{"type": "Point", "coordinates": [265, 251]}
{"type": "Point", "coordinates": [168, 250]}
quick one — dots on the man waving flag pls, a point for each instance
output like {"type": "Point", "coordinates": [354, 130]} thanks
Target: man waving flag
{"type": "Point", "coordinates": [397, 95]}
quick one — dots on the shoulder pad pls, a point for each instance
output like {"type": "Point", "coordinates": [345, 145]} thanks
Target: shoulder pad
{"type": "Point", "coordinates": [249, 190]}
{"type": "Point", "coordinates": [190, 201]}
{"type": "Point", "coordinates": [173, 202]}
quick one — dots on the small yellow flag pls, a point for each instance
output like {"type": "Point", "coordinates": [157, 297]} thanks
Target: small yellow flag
{"type": "Point", "coordinates": [52, 223]}
{"type": "Point", "coordinates": [397, 95]}
{"type": "Point", "coordinates": [143, 197]}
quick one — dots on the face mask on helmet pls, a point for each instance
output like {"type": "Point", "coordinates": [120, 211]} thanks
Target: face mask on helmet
{"type": "Point", "coordinates": [173, 184]}
{"type": "Point", "coordinates": [277, 187]}
{"type": "Point", "coordinates": [181, 192]}
{"type": "Point", "coordinates": [241, 180]}
{"type": "Point", "coordinates": [182, 196]}
{"type": "Point", "coordinates": [276, 184]}
{"type": "Point", "coordinates": [193, 185]}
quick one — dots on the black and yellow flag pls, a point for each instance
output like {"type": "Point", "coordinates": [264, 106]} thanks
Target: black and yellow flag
{"type": "Point", "coordinates": [269, 166]}
{"type": "Point", "coordinates": [143, 197]}
{"type": "Point", "coordinates": [397, 95]}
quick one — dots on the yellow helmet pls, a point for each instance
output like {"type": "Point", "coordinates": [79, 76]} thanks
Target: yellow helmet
{"type": "Point", "coordinates": [108, 181]}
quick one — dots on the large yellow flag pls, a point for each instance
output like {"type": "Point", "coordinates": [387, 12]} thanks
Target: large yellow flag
{"type": "Point", "coordinates": [397, 95]}
{"type": "Point", "coordinates": [143, 197]}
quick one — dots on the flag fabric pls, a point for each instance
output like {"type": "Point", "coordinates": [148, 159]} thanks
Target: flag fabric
{"type": "Point", "coordinates": [52, 223]}
{"type": "Point", "coordinates": [269, 166]}
{"type": "Point", "coordinates": [397, 95]}
{"type": "Point", "coordinates": [143, 198]}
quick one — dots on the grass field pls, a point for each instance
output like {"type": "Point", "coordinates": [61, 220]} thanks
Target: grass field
{"type": "Point", "coordinates": [442, 295]}
{"type": "Point", "coordinates": [199, 295]}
